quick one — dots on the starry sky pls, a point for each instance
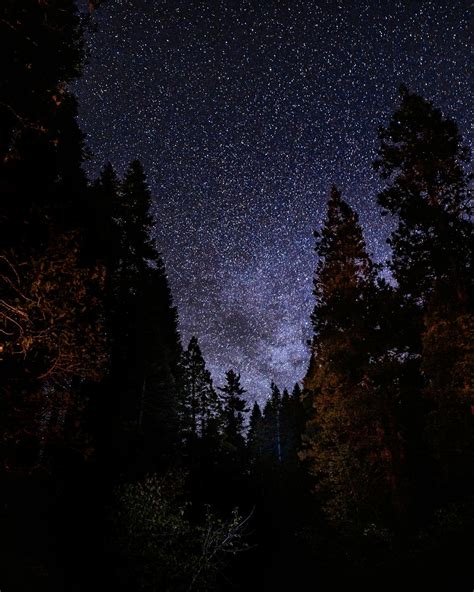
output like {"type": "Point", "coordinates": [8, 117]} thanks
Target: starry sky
{"type": "Point", "coordinates": [243, 114]}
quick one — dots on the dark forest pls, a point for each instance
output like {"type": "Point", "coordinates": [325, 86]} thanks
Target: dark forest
{"type": "Point", "coordinates": [124, 467]}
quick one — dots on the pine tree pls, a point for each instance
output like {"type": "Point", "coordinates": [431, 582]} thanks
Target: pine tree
{"type": "Point", "coordinates": [41, 146]}
{"type": "Point", "coordinates": [233, 409]}
{"type": "Point", "coordinates": [143, 333]}
{"type": "Point", "coordinates": [50, 291]}
{"type": "Point", "coordinates": [297, 402]}
{"type": "Point", "coordinates": [128, 274]}
{"type": "Point", "coordinates": [343, 275]}
{"type": "Point", "coordinates": [200, 406]}
{"type": "Point", "coordinates": [255, 436]}
{"type": "Point", "coordinates": [102, 199]}
{"type": "Point", "coordinates": [291, 427]}
{"type": "Point", "coordinates": [422, 158]}
{"type": "Point", "coordinates": [158, 414]}
{"type": "Point", "coordinates": [134, 219]}
{"type": "Point", "coordinates": [272, 427]}
{"type": "Point", "coordinates": [350, 434]}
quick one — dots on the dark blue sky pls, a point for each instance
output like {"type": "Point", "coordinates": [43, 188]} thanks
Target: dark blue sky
{"type": "Point", "coordinates": [243, 114]}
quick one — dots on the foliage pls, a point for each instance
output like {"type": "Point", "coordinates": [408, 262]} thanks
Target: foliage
{"type": "Point", "coordinates": [255, 437]}
{"type": "Point", "coordinates": [351, 441]}
{"type": "Point", "coordinates": [42, 46]}
{"type": "Point", "coordinates": [41, 146]}
{"type": "Point", "coordinates": [448, 366]}
{"type": "Point", "coordinates": [200, 407]}
{"type": "Point", "coordinates": [168, 550]}
{"type": "Point", "coordinates": [142, 323]}
{"type": "Point", "coordinates": [422, 159]}
{"type": "Point", "coordinates": [53, 340]}
{"type": "Point", "coordinates": [234, 407]}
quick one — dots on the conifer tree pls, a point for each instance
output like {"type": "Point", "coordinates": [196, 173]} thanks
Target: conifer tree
{"type": "Point", "coordinates": [297, 401]}
{"type": "Point", "coordinates": [41, 146]}
{"type": "Point", "coordinates": [296, 392]}
{"type": "Point", "coordinates": [135, 221]}
{"type": "Point", "coordinates": [233, 409]}
{"type": "Point", "coordinates": [200, 405]}
{"type": "Point", "coordinates": [291, 426]}
{"type": "Point", "coordinates": [423, 161]}
{"type": "Point", "coordinates": [421, 157]}
{"type": "Point", "coordinates": [158, 413]}
{"type": "Point", "coordinates": [49, 289]}
{"type": "Point", "coordinates": [255, 435]}
{"type": "Point", "coordinates": [102, 199]}
{"type": "Point", "coordinates": [350, 436]}
{"type": "Point", "coordinates": [272, 426]}
{"type": "Point", "coordinates": [129, 273]}
{"type": "Point", "coordinates": [142, 322]}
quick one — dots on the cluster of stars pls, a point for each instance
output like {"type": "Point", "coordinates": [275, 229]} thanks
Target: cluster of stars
{"type": "Point", "coordinates": [243, 114]}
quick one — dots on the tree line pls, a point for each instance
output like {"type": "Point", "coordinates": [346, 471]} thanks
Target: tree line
{"type": "Point", "coordinates": [124, 466]}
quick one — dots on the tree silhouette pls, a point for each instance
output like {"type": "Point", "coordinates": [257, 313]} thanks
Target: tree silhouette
{"type": "Point", "coordinates": [348, 440]}
{"type": "Point", "coordinates": [200, 405]}
{"type": "Point", "coordinates": [233, 409]}
{"type": "Point", "coordinates": [422, 159]}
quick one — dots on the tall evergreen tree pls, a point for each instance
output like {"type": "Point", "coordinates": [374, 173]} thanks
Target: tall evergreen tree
{"type": "Point", "coordinates": [422, 158]}
{"type": "Point", "coordinates": [144, 379]}
{"type": "Point", "coordinates": [255, 436]}
{"type": "Point", "coordinates": [137, 253]}
{"type": "Point", "coordinates": [102, 199]}
{"type": "Point", "coordinates": [51, 293]}
{"type": "Point", "coordinates": [272, 426]}
{"type": "Point", "coordinates": [41, 146]}
{"type": "Point", "coordinates": [233, 408]}
{"type": "Point", "coordinates": [158, 413]}
{"type": "Point", "coordinates": [350, 436]}
{"type": "Point", "coordinates": [291, 426]}
{"type": "Point", "coordinates": [297, 398]}
{"type": "Point", "coordinates": [200, 405]}
{"type": "Point", "coordinates": [134, 219]}
{"type": "Point", "coordinates": [45, 274]}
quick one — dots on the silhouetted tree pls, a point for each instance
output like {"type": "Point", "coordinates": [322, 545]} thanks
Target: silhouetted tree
{"type": "Point", "coordinates": [41, 146]}
{"type": "Point", "coordinates": [102, 199]}
{"type": "Point", "coordinates": [291, 426]}
{"type": "Point", "coordinates": [200, 406]}
{"type": "Point", "coordinates": [233, 409]}
{"type": "Point", "coordinates": [272, 427]}
{"type": "Point", "coordinates": [350, 437]}
{"type": "Point", "coordinates": [51, 315]}
{"type": "Point", "coordinates": [422, 158]}
{"type": "Point", "coordinates": [50, 292]}
{"type": "Point", "coordinates": [144, 378]}
{"type": "Point", "coordinates": [255, 435]}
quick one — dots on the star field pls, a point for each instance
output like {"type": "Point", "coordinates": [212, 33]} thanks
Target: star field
{"type": "Point", "coordinates": [243, 114]}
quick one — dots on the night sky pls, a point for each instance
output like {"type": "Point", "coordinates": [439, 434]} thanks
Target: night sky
{"type": "Point", "coordinates": [243, 114]}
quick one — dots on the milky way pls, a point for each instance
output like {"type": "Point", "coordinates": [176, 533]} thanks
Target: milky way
{"type": "Point", "coordinates": [243, 114]}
